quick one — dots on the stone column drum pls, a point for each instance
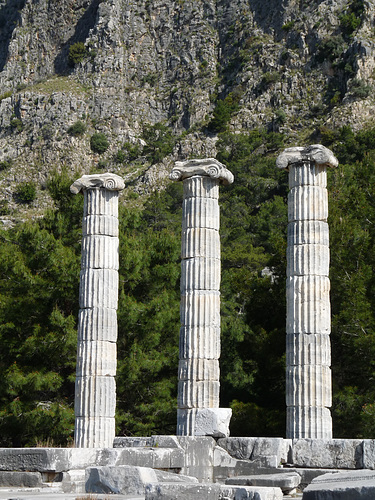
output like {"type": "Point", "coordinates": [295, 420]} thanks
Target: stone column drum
{"type": "Point", "coordinates": [308, 322]}
{"type": "Point", "coordinates": [95, 390]}
{"type": "Point", "coordinates": [198, 411]}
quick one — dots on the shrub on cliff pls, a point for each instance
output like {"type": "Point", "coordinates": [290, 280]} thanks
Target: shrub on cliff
{"type": "Point", "coordinates": [99, 143]}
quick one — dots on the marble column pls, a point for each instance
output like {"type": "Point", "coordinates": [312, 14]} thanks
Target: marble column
{"type": "Point", "coordinates": [95, 389]}
{"type": "Point", "coordinates": [308, 322]}
{"type": "Point", "coordinates": [198, 374]}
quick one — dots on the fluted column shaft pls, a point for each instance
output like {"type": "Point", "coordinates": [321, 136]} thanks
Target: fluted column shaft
{"type": "Point", "coordinates": [95, 390]}
{"type": "Point", "coordinates": [308, 351]}
{"type": "Point", "coordinates": [198, 372]}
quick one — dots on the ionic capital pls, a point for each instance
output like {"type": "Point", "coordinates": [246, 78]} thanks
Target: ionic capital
{"type": "Point", "coordinates": [316, 153]}
{"type": "Point", "coordinates": [109, 181]}
{"type": "Point", "coordinates": [209, 167]}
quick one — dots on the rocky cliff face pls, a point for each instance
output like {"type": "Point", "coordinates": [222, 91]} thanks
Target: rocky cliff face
{"type": "Point", "coordinates": [290, 66]}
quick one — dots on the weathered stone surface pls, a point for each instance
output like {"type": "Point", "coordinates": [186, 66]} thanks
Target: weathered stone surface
{"type": "Point", "coordinates": [123, 479]}
{"type": "Point", "coordinates": [20, 479]}
{"type": "Point", "coordinates": [95, 389]}
{"type": "Point", "coordinates": [308, 375]}
{"type": "Point", "coordinates": [334, 453]}
{"type": "Point", "coordinates": [171, 477]}
{"type": "Point", "coordinates": [107, 181]}
{"type": "Point", "coordinates": [198, 456]}
{"type": "Point", "coordinates": [251, 493]}
{"type": "Point", "coordinates": [206, 167]}
{"type": "Point", "coordinates": [308, 385]}
{"type": "Point", "coordinates": [287, 481]}
{"type": "Point", "coordinates": [74, 481]}
{"type": "Point", "coordinates": [308, 349]}
{"type": "Point", "coordinates": [257, 449]}
{"type": "Point", "coordinates": [66, 459]}
{"type": "Point", "coordinates": [350, 485]}
{"type": "Point", "coordinates": [368, 454]}
{"type": "Point", "coordinates": [317, 154]}
{"type": "Point", "coordinates": [199, 386]}
{"type": "Point", "coordinates": [183, 491]}
{"type": "Point", "coordinates": [213, 422]}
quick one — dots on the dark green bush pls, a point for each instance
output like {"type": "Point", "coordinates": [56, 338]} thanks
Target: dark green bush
{"type": "Point", "coordinates": [360, 89]}
{"type": "Point", "coordinates": [99, 143]}
{"type": "Point", "coordinates": [330, 48]}
{"type": "Point", "coordinates": [4, 207]}
{"type": "Point", "coordinates": [26, 193]}
{"type": "Point", "coordinates": [5, 164]}
{"type": "Point", "coordinates": [160, 142]}
{"type": "Point", "coordinates": [78, 128]}
{"type": "Point", "coordinates": [16, 124]}
{"type": "Point", "coordinates": [77, 52]}
{"type": "Point", "coordinates": [133, 151]}
{"type": "Point", "coordinates": [120, 156]}
{"type": "Point", "coordinates": [48, 132]}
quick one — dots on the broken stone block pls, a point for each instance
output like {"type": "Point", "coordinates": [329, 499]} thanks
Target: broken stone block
{"type": "Point", "coordinates": [250, 493]}
{"type": "Point", "coordinates": [328, 453]}
{"type": "Point", "coordinates": [182, 491]}
{"type": "Point", "coordinates": [368, 454]}
{"type": "Point", "coordinates": [348, 485]}
{"type": "Point", "coordinates": [20, 479]}
{"type": "Point", "coordinates": [122, 479]}
{"type": "Point", "coordinates": [287, 481]}
{"type": "Point", "coordinates": [213, 422]}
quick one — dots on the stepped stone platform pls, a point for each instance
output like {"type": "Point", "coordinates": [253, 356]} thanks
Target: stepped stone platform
{"type": "Point", "coordinates": [169, 467]}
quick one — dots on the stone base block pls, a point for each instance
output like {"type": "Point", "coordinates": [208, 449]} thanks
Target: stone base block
{"type": "Point", "coordinates": [267, 452]}
{"type": "Point", "coordinates": [350, 485]}
{"type": "Point", "coordinates": [20, 479]}
{"type": "Point", "coordinates": [182, 491]}
{"type": "Point", "coordinates": [333, 453]}
{"type": "Point", "coordinates": [123, 479]}
{"type": "Point", "coordinates": [213, 422]}
{"type": "Point", "coordinates": [251, 493]}
{"type": "Point", "coordinates": [204, 422]}
{"type": "Point", "coordinates": [287, 481]}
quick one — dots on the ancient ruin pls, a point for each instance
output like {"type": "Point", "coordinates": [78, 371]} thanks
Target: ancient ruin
{"type": "Point", "coordinates": [199, 382]}
{"type": "Point", "coordinates": [95, 391]}
{"type": "Point", "coordinates": [308, 323]}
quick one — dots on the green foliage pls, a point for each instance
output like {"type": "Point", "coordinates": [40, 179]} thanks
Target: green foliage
{"type": "Point", "coordinates": [360, 89]}
{"type": "Point", "coordinates": [5, 164]}
{"type": "Point", "coordinates": [77, 129]}
{"type": "Point", "coordinates": [159, 142]}
{"type": "Point", "coordinates": [351, 20]}
{"type": "Point", "coordinates": [77, 53]}
{"type": "Point", "coordinates": [39, 279]}
{"type": "Point", "coordinates": [6, 95]}
{"type": "Point", "coordinates": [26, 193]}
{"type": "Point", "coordinates": [270, 77]}
{"type": "Point", "coordinates": [16, 124]}
{"type": "Point", "coordinates": [133, 151]}
{"type": "Point", "coordinates": [48, 131]}
{"type": "Point", "coordinates": [223, 111]}
{"type": "Point", "coordinates": [330, 48]}
{"type": "Point", "coordinates": [99, 143]}
{"type": "Point", "coordinates": [4, 207]}
{"type": "Point", "coordinates": [288, 26]}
